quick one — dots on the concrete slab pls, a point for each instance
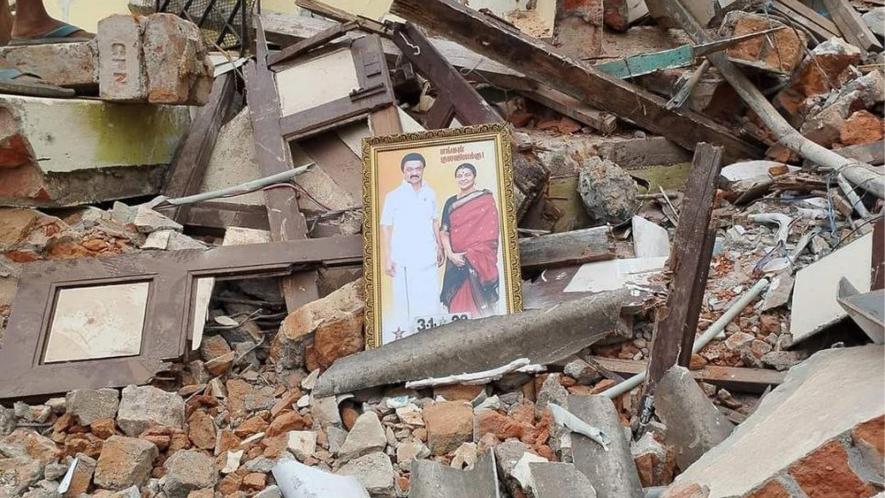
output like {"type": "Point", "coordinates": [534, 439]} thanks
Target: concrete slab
{"type": "Point", "coordinates": [823, 399]}
{"type": "Point", "coordinates": [815, 306]}
{"type": "Point", "coordinates": [611, 472]}
{"type": "Point", "coordinates": [694, 425]}
{"type": "Point", "coordinates": [431, 479]}
{"type": "Point", "coordinates": [67, 152]}
{"type": "Point", "coordinates": [559, 480]}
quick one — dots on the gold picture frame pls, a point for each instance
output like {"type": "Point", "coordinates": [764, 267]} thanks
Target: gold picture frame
{"type": "Point", "coordinates": [470, 282]}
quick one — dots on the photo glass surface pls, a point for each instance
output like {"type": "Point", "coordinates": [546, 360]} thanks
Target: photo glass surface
{"type": "Point", "coordinates": [439, 231]}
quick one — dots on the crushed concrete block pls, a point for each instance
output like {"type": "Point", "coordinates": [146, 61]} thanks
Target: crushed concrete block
{"type": "Point", "coordinates": [302, 444]}
{"type": "Point", "coordinates": [176, 61]}
{"type": "Point", "coordinates": [875, 20]}
{"type": "Point", "coordinates": [611, 471]}
{"type": "Point", "coordinates": [366, 436]}
{"type": "Point", "coordinates": [374, 471]}
{"type": "Point", "coordinates": [336, 322]}
{"type": "Point", "coordinates": [798, 433]}
{"type": "Point", "coordinates": [171, 240]}
{"type": "Point", "coordinates": [124, 462]}
{"type": "Point", "coordinates": [141, 407]}
{"type": "Point", "coordinates": [18, 474]}
{"type": "Point", "coordinates": [432, 479]}
{"type": "Point", "coordinates": [607, 191]}
{"type": "Point", "coordinates": [89, 405]}
{"type": "Point", "coordinates": [582, 372]}
{"type": "Point", "coordinates": [25, 443]}
{"type": "Point", "coordinates": [554, 480]}
{"type": "Point", "coordinates": [694, 425]}
{"type": "Point", "coordinates": [187, 471]}
{"type": "Point", "coordinates": [551, 391]}
{"type": "Point", "coordinates": [71, 65]}
{"type": "Point", "coordinates": [58, 152]}
{"type": "Point", "coordinates": [147, 220]}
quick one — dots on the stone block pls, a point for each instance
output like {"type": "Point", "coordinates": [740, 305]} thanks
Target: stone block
{"type": "Point", "coordinates": [694, 425]}
{"type": "Point", "coordinates": [336, 322]}
{"type": "Point", "coordinates": [142, 407]}
{"type": "Point", "coordinates": [61, 152]}
{"type": "Point", "coordinates": [89, 405]}
{"type": "Point", "coordinates": [121, 69]}
{"type": "Point", "coordinates": [448, 424]}
{"type": "Point", "coordinates": [71, 65]}
{"type": "Point", "coordinates": [25, 443]}
{"type": "Point", "coordinates": [124, 462]}
{"type": "Point", "coordinates": [366, 436]}
{"type": "Point", "coordinates": [176, 61]}
{"type": "Point", "coordinates": [375, 473]}
{"type": "Point", "coordinates": [187, 471]}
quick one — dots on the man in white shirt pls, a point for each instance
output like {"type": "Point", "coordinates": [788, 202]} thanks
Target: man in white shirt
{"type": "Point", "coordinates": [411, 249]}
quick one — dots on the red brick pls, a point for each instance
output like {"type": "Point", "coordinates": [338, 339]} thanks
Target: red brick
{"type": "Point", "coordinates": [448, 424]}
{"type": "Point", "coordinates": [862, 127]}
{"type": "Point", "coordinates": [771, 489]}
{"type": "Point", "coordinates": [826, 473]}
{"type": "Point", "coordinates": [872, 433]}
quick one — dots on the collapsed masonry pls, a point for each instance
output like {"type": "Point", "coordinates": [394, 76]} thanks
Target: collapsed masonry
{"type": "Point", "coordinates": [702, 256]}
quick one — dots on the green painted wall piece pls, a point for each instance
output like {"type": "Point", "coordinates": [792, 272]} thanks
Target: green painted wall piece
{"type": "Point", "coordinates": [637, 65]}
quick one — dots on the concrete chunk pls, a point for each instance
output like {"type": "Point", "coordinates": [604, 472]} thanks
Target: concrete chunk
{"type": "Point", "coordinates": [142, 407]}
{"type": "Point", "coordinates": [431, 479]}
{"type": "Point", "coordinates": [556, 480]}
{"type": "Point", "coordinates": [61, 152]}
{"type": "Point", "coordinates": [694, 425]}
{"type": "Point", "coordinates": [809, 431]}
{"type": "Point", "coordinates": [374, 471]}
{"type": "Point", "coordinates": [89, 405]}
{"type": "Point", "coordinates": [612, 472]}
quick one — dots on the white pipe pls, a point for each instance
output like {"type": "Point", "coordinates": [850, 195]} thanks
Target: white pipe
{"type": "Point", "coordinates": [699, 343]}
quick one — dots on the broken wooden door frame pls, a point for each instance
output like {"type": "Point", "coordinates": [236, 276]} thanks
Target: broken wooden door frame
{"type": "Point", "coordinates": [168, 312]}
{"type": "Point", "coordinates": [375, 91]}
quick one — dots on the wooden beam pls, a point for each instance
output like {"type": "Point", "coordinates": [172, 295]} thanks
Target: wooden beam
{"type": "Point", "coordinates": [440, 114]}
{"type": "Point", "coordinates": [749, 380]}
{"type": "Point", "coordinates": [796, 12]}
{"type": "Point", "coordinates": [273, 156]}
{"type": "Point", "coordinates": [186, 173]}
{"type": "Point", "coordinates": [340, 15]}
{"type": "Point", "coordinates": [602, 122]}
{"type": "Point", "coordinates": [303, 46]}
{"type": "Point", "coordinates": [470, 107]}
{"type": "Point", "coordinates": [689, 263]}
{"type": "Point", "coordinates": [852, 26]}
{"type": "Point", "coordinates": [566, 248]}
{"type": "Point", "coordinates": [542, 62]}
{"type": "Point", "coordinates": [878, 260]}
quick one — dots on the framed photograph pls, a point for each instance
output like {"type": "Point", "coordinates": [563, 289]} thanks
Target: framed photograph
{"type": "Point", "coordinates": [439, 230]}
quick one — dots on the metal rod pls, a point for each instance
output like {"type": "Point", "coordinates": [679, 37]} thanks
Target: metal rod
{"type": "Point", "coordinates": [699, 343]}
{"type": "Point", "coordinates": [243, 188]}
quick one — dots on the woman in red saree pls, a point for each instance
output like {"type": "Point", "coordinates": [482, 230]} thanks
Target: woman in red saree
{"type": "Point", "coordinates": [469, 231]}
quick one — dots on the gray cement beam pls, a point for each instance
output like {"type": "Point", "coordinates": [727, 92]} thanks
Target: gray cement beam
{"type": "Point", "coordinates": [431, 479]}
{"type": "Point", "coordinates": [611, 472]}
{"type": "Point", "coordinates": [542, 336]}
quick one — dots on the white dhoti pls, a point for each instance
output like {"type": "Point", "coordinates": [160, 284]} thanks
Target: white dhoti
{"type": "Point", "coordinates": [415, 294]}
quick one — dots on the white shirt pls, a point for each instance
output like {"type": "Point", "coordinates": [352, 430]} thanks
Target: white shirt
{"type": "Point", "coordinates": [411, 214]}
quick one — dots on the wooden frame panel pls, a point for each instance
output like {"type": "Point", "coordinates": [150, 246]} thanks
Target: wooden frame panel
{"type": "Point", "coordinates": [375, 92]}
{"type": "Point", "coordinates": [168, 317]}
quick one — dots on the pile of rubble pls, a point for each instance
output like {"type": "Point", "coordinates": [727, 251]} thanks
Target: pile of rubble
{"type": "Point", "coordinates": [699, 189]}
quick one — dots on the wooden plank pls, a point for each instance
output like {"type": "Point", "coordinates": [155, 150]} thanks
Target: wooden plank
{"type": "Point", "coordinates": [470, 107]}
{"type": "Point", "coordinates": [336, 159]}
{"type": "Point", "coordinates": [273, 156]}
{"type": "Point", "coordinates": [543, 63]}
{"type": "Point", "coordinates": [340, 15]}
{"type": "Point", "coordinates": [567, 248]}
{"type": "Point", "coordinates": [749, 380]}
{"type": "Point", "coordinates": [192, 157]}
{"type": "Point", "coordinates": [440, 114]}
{"type": "Point", "coordinates": [303, 46]}
{"type": "Point", "coordinates": [878, 260]}
{"type": "Point", "coordinates": [797, 12]}
{"type": "Point", "coordinates": [689, 263]}
{"type": "Point", "coordinates": [602, 122]}
{"type": "Point", "coordinates": [217, 216]}
{"type": "Point", "coordinates": [852, 26]}
{"type": "Point", "coordinates": [385, 122]}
